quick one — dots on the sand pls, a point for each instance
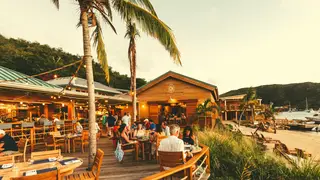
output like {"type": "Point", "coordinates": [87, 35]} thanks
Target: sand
{"type": "Point", "coordinates": [308, 141]}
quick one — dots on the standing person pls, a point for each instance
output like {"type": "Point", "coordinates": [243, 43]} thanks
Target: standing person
{"type": "Point", "coordinates": [104, 122]}
{"type": "Point", "coordinates": [42, 119]}
{"type": "Point", "coordinates": [79, 128]}
{"type": "Point", "coordinates": [110, 123]}
{"type": "Point", "coordinates": [146, 124]}
{"type": "Point", "coordinates": [116, 116]}
{"type": "Point", "coordinates": [126, 119]}
{"type": "Point", "coordinates": [7, 143]}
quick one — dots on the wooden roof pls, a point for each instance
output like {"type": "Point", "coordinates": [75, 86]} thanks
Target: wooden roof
{"type": "Point", "coordinates": [189, 80]}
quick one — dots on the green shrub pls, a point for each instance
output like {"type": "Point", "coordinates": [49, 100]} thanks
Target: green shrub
{"type": "Point", "coordinates": [233, 156]}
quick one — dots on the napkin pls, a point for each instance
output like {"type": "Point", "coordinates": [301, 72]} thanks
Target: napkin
{"type": "Point", "coordinates": [72, 162]}
{"type": "Point", "coordinates": [31, 173]}
{"type": "Point", "coordinates": [5, 166]}
{"type": "Point", "coordinates": [52, 159]}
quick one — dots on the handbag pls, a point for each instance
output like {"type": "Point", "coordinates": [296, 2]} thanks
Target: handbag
{"type": "Point", "coordinates": [119, 152]}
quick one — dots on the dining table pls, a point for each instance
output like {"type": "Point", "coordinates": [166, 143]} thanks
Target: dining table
{"type": "Point", "coordinates": [193, 149]}
{"type": "Point", "coordinates": [66, 166]}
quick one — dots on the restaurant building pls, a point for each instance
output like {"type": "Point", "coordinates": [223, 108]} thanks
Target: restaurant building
{"type": "Point", "coordinates": [174, 94]}
{"type": "Point", "coordinates": [23, 98]}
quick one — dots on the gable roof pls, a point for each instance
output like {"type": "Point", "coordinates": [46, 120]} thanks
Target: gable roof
{"type": "Point", "coordinates": [82, 83]}
{"type": "Point", "coordinates": [189, 80]}
{"type": "Point", "coordinates": [235, 97]}
{"type": "Point", "coordinates": [9, 75]}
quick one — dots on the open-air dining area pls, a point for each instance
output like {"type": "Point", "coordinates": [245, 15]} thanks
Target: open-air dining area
{"type": "Point", "coordinates": [65, 152]}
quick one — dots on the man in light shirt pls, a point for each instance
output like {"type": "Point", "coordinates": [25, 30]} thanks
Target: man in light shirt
{"type": "Point", "coordinates": [165, 128]}
{"type": "Point", "coordinates": [126, 119]}
{"type": "Point", "coordinates": [172, 143]}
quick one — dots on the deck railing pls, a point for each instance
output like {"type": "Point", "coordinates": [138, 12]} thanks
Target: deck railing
{"type": "Point", "coordinates": [197, 167]}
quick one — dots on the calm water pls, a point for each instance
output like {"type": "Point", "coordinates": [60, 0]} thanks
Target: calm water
{"type": "Point", "coordinates": [294, 115]}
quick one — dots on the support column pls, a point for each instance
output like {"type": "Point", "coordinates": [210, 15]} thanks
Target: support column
{"type": "Point", "coordinates": [225, 115]}
{"type": "Point", "coordinates": [71, 111]}
{"type": "Point", "coordinates": [237, 115]}
{"type": "Point", "coordinates": [46, 111]}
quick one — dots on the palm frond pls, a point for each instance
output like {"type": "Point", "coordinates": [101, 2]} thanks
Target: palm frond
{"type": "Point", "coordinates": [145, 4]}
{"type": "Point", "coordinates": [150, 24]}
{"type": "Point", "coordinates": [56, 3]}
{"type": "Point", "coordinates": [101, 51]}
{"type": "Point", "coordinates": [104, 16]}
{"type": "Point", "coordinates": [105, 4]}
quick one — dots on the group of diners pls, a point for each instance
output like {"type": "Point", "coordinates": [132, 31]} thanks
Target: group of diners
{"type": "Point", "coordinates": [122, 131]}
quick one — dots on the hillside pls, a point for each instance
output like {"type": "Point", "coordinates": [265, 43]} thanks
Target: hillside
{"type": "Point", "coordinates": [33, 58]}
{"type": "Point", "coordinates": [280, 95]}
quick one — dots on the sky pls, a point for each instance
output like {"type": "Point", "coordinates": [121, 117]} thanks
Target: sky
{"type": "Point", "coordinates": [228, 43]}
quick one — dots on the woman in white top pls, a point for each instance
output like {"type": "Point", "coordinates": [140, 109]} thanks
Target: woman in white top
{"type": "Point", "coordinates": [139, 132]}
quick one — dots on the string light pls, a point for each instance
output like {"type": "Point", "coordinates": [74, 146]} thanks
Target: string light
{"type": "Point", "coordinates": [84, 66]}
{"type": "Point", "coordinates": [21, 102]}
{"type": "Point", "coordinates": [59, 97]}
{"type": "Point", "coordinates": [43, 104]}
{"type": "Point", "coordinates": [55, 76]}
{"type": "Point", "coordinates": [62, 104]}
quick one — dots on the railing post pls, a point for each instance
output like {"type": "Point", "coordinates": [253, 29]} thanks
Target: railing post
{"type": "Point", "coordinates": [190, 173]}
{"type": "Point", "coordinates": [32, 139]}
{"type": "Point", "coordinates": [208, 161]}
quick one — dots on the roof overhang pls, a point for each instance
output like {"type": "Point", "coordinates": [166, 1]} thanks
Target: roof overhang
{"type": "Point", "coordinates": [213, 89]}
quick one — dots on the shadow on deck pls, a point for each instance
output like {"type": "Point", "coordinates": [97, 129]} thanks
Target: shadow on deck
{"type": "Point", "coordinates": [112, 169]}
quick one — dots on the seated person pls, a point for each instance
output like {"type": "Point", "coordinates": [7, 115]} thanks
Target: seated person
{"type": "Point", "coordinates": [115, 133]}
{"type": "Point", "coordinates": [146, 124]}
{"type": "Point", "coordinates": [79, 128]}
{"type": "Point", "coordinates": [173, 143]}
{"type": "Point", "coordinates": [188, 137]}
{"type": "Point", "coordinates": [152, 125]}
{"type": "Point", "coordinates": [7, 143]}
{"type": "Point", "coordinates": [124, 137]}
{"type": "Point", "coordinates": [42, 119]}
{"type": "Point", "coordinates": [165, 128]}
{"type": "Point", "coordinates": [140, 132]}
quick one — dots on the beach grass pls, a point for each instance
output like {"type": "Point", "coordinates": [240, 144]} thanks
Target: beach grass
{"type": "Point", "coordinates": [234, 156]}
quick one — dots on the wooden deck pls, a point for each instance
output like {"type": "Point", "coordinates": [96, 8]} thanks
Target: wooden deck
{"type": "Point", "coordinates": [111, 169]}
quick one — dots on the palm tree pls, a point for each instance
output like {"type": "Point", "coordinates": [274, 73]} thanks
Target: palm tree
{"type": "Point", "coordinates": [249, 101]}
{"type": "Point", "coordinates": [207, 107]}
{"type": "Point", "coordinates": [131, 34]}
{"type": "Point", "coordinates": [143, 13]}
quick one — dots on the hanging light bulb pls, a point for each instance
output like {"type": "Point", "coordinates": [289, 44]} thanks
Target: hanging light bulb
{"type": "Point", "coordinates": [55, 76]}
{"type": "Point", "coordinates": [62, 104]}
{"type": "Point", "coordinates": [84, 66]}
{"type": "Point", "coordinates": [21, 102]}
{"type": "Point", "coordinates": [59, 97]}
{"type": "Point", "coordinates": [43, 104]}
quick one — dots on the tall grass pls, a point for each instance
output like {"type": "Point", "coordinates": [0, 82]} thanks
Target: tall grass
{"type": "Point", "coordinates": [233, 156]}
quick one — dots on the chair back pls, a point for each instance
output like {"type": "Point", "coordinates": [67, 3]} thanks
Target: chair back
{"type": "Point", "coordinates": [284, 148]}
{"type": "Point", "coordinates": [300, 153]}
{"type": "Point", "coordinates": [22, 146]}
{"type": "Point", "coordinates": [47, 123]}
{"type": "Point", "coordinates": [6, 159]}
{"type": "Point", "coordinates": [97, 163]}
{"type": "Point", "coordinates": [85, 135]}
{"type": "Point", "coordinates": [27, 124]}
{"type": "Point", "coordinates": [45, 154]}
{"type": "Point", "coordinates": [170, 159]}
{"type": "Point", "coordinates": [7, 128]}
{"type": "Point", "coordinates": [51, 175]}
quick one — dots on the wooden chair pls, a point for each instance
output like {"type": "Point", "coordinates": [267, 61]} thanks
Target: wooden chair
{"type": "Point", "coordinates": [82, 141]}
{"type": "Point", "coordinates": [22, 147]}
{"type": "Point", "coordinates": [51, 175]}
{"type": "Point", "coordinates": [95, 170]}
{"type": "Point", "coordinates": [302, 154]}
{"type": "Point", "coordinates": [269, 140]}
{"type": "Point", "coordinates": [131, 148]}
{"type": "Point", "coordinates": [170, 159]}
{"type": "Point", "coordinates": [45, 154]}
{"type": "Point", "coordinates": [54, 143]}
{"type": "Point", "coordinates": [6, 159]}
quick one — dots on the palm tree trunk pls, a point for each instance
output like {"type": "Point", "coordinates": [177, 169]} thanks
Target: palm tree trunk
{"type": "Point", "coordinates": [134, 102]}
{"type": "Point", "coordinates": [90, 83]}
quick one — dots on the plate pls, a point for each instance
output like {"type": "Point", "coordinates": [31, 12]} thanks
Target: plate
{"type": "Point", "coordinates": [5, 166]}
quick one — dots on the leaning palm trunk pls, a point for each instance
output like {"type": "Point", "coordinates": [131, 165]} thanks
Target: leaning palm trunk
{"type": "Point", "coordinates": [90, 83]}
{"type": "Point", "coordinates": [134, 85]}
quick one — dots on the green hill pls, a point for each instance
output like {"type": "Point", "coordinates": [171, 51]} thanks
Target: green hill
{"type": "Point", "coordinates": [281, 95]}
{"type": "Point", "coordinates": [33, 58]}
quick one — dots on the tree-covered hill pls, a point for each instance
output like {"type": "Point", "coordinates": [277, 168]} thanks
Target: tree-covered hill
{"type": "Point", "coordinates": [281, 95]}
{"type": "Point", "coordinates": [33, 58]}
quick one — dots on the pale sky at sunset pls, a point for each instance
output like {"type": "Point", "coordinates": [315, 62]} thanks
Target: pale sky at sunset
{"type": "Point", "coordinates": [228, 43]}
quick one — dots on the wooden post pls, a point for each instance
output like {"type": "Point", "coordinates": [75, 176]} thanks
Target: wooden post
{"type": "Point", "coordinates": [46, 110]}
{"type": "Point", "coordinates": [225, 115]}
{"type": "Point", "coordinates": [32, 139]}
{"type": "Point", "coordinates": [236, 115]}
{"type": "Point", "coordinates": [208, 161]}
{"type": "Point", "coordinates": [190, 173]}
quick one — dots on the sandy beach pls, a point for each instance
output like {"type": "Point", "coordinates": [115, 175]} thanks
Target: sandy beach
{"type": "Point", "coordinates": [308, 141]}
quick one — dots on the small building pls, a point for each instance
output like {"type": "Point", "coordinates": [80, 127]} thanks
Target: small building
{"type": "Point", "coordinates": [173, 93]}
{"type": "Point", "coordinates": [230, 107]}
